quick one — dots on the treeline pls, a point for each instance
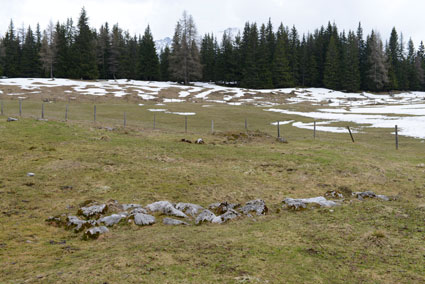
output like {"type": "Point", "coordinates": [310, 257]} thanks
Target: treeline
{"type": "Point", "coordinates": [260, 57]}
{"type": "Point", "coordinates": [77, 51]}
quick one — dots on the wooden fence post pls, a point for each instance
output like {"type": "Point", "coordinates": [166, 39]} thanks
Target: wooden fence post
{"type": "Point", "coordinates": [396, 137]}
{"type": "Point", "coordinates": [278, 129]}
{"type": "Point", "coordinates": [94, 110]}
{"type": "Point", "coordinates": [66, 113]}
{"type": "Point", "coordinates": [20, 107]}
{"type": "Point", "coordinates": [185, 124]}
{"type": "Point", "coordinates": [125, 119]}
{"type": "Point", "coordinates": [2, 107]}
{"type": "Point", "coordinates": [212, 126]}
{"type": "Point", "coordinates": [351, 134]}
{"type": "Point", "coordinates": [42, 110]}
{"type": "Point", "coordinates": [314, 132]}
{"type": "Point", "coordinates": [246, 124]}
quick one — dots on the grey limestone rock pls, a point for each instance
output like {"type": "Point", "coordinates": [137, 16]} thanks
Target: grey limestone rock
{"type": "Point", "coordinates": [189, 208]}
{"type": "Point", "coordinates": [174, 222]}
{"type": "Point", "coordinates": [93, 211]}
{"type": "Point", "coordinates": [166, 208]}
{"type": "Point", "coordinates": [258, 206]}
{"type": "Point", "coordinates": [113, 219]}
{"type": "Point", "coordinates": [141, 219]}
{"type": "Point", "coordinates": [95, 232]}
{"type": "Point", "coordinates": [205, 216]}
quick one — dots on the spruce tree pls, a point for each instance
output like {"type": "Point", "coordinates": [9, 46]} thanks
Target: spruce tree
{"type": "Point", "coordinates": [351, 69]}
{"type": "Point", "coordinates": [30, 61]}
{"type": "Point", "coordinates": [11, 53]}
{"type": "Point", "coordinates": [165, 64]}
{"type": "Point", "coordinates": [149, 62]}
{"type": "Point", "coordinates": [263, 61]}
{"type": "Point", "coordinates": [103, 51]}
{"type": "Point", "coordinates": [331, 78]}
{"type": "Point", "coordinates": [84, 50]}
{"type": "Point", "coordinates": [282, 75]}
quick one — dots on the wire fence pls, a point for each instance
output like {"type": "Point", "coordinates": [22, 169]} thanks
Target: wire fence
{"type": "Point", "coordinates": [206, 121]}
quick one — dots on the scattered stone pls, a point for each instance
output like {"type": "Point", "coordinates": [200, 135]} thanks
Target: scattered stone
{"type": "Point", "coordinates": [30, 174]}
{"type": "Point", "coordinates": [94, 233]}
{"type": "Point", "coordinates": [113, 219]}
{"type": "Point", "coordinates": [205, 216]}
{"type": "Point", "coordinates": [229, 215]}
{"type": "Point", "coordinates": [73, 222]}
{"type": "Point", "coordinates": [186, 141]}
{"type": "Point", "coordinates": [334, 194]}
{"type": "Point", "coordinates": [383, 197]}
{"type": "Point", "coordinates": [125, 207]}
{"type": "Point", "coordinates": [282, 140]}
{"type": "Point", "coordinates": [222, 207]}
{"type": "Point", "coordinates": [199, 141]}
{"type": "Point", "coordinates": [138, 210]}
{"type": "Point", "coordinates": [11, 119]}
{"type": "Point", "coordinates": [141, 219]}
{"type": "Point", "coordinates": [165, 207]}
{"type": "Point", "coordinates": [258, 206]}
{"type": "Point", "coordinates": [370, 194]}
{"type": "Point", "coordinates": [421, 166]}
{"type": "Point", "coordinates": [189, 208]}
{"type": "Point", "coordinates": [297, 204]}
{"type": "Point", "coordinates": [169, 221]}
{"type": "Point", "coordinates": [294, 205]}
{"type": "Point", "coordinates": [93, 211]}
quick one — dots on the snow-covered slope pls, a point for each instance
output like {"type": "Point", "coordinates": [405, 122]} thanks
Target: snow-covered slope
{"type": "Point", "coordinates": [407, 110]}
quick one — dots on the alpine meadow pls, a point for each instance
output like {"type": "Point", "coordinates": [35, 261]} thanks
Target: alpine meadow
{"type": "Point", "coordinates": [263, 153]}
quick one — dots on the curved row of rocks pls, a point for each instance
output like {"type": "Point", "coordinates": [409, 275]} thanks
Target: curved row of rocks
{"type": "Point", "coordinates": [94, 218]}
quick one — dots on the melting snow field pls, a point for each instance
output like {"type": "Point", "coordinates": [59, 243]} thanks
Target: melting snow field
{"type": "Point", "coordinates": [407, 110]}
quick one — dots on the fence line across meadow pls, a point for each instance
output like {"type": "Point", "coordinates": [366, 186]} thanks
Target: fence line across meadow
{"type": "Point", "coordinates": [124, 121]}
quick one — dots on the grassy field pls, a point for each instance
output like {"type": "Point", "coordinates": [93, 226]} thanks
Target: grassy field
{"type": "Point", "coordinates": [360, 242]}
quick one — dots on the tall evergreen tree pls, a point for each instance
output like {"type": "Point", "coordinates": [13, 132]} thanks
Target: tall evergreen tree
{"type": "Point", "coordinates": [149, 62]}
{"type": "Point", "coordinates": [103, 51]}
{"type": "Point", "coordinates": [85, 50]}
{"type": "Point", "coordinates": [282, 75]}
{"type": "Point", "coordinates": [11, 53]}
{"type": "Point", "coordinates": [30, 61]}
{"type": "Point", "coordinates": [263, 61]}
{"type": "Point", "coordinates": [331, 78]}
{"type": "Point", "coordinates": [351, 69]}
{"type": "Point", "coordinates": [165, 64]}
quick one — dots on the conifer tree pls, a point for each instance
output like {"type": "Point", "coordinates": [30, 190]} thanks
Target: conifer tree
{"type": "Point", "coordinates": [377, 73]}
{"type": "Point", "coordinates": [165, 64]}
{"type": "Point", "coordinates": [103, 51]}
{"type": "Point", "coordinates": [149, 62]}
{"type": "Point", "coordinates": [30, 61]}
{"type": "Point", "coordinates": [185, 63]}
{"type": "Point", "coordinates": [282, 75]}
{"type": "Point", "coordinates": [84, 50]}
{"type": "Point", "coordinates": [263, 61]}
{"type": "Point", "coordinates": [351, 72]}
{"type": "Point", "coordinates": [250, 78]}
{"type": "Point", "coordinates": [11, 53]}
{"type": "Point", "coordinates": [331, 78]}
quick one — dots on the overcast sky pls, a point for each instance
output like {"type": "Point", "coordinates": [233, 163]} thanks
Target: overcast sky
{"type": "Point", "coordinates": [217, 15]}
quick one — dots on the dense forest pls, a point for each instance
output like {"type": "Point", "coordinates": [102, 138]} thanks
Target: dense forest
{"type": "Point", "coordinates": [259, 57]}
